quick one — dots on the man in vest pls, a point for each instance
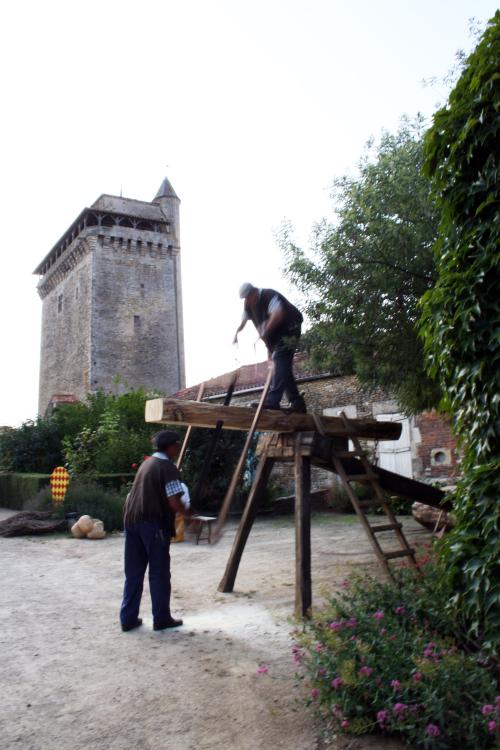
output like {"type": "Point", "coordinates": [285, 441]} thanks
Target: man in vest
{"type": "Point", "coordinates": [278, 323]}
{"type": "Point", "coordinates": [149, 521]}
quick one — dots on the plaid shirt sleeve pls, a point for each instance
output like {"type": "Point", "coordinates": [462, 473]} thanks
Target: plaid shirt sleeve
{"type": "Point", "coordinates": [174, 487]}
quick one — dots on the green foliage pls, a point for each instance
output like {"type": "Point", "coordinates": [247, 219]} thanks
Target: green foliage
{"type": "Point", "coordinates": [16, 489]}
{"type": "Point", "coordinates": [33, 447]}
{"type": "Point", "coordinates": [369, 269]}
{"type": "Point", "coordinates": [113, 437]}
{"type": "Point", "coordinates": [461, 322]}
{"type": "Point", "coordinates": [106, 434]}
{"type": "Point", "coordinates": [385, 657]}
{"type": "Point", "coordinates": [225, 458]}
{"type": "Point", "coordinates": [85, 498]}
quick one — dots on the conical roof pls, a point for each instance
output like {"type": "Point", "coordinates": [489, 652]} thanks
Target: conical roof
{"type": "Point", "coordinates": [165, 191]}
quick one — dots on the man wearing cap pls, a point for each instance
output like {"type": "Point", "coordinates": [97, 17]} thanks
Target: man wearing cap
{"type": "Point", "coordinates": [149, 521]}
{"type": "Point", "coordinates": [278, 323]}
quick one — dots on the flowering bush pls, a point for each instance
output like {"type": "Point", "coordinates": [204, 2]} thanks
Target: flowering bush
{"type": "Point", "coordinates": [384, 658]}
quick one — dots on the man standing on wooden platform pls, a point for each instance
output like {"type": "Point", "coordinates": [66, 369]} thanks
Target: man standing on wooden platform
{"type": "Point", "coordinates": [278, 323]}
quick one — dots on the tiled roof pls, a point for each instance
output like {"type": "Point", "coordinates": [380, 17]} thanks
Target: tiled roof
{"type": "Point", "coordinates": [249, 377]}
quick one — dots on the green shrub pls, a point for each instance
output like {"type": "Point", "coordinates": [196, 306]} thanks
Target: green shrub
{"type": "Point", "coordinates": [387, 658]}
{"type": "Point", "coordinates": [16, 489]}
{"type": "Point", "coordinates": [461, 322]}
{"type": "Point", "coordinates": [85, 499]}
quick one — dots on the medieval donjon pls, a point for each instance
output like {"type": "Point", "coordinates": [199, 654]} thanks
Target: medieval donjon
{"type": "Point", "coordinates": [112, 303]}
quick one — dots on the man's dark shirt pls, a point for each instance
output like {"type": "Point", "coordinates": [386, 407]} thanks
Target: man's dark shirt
{"type": "Point", "coordinates": [148, 499]}
{"type": "Point", "coordinates": [259, 314]}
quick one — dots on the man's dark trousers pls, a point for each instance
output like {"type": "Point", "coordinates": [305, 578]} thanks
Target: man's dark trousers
{"type": "Point", "coordinates": [146, 543]}
{"type": "Point", "coordinates": [283, 380]}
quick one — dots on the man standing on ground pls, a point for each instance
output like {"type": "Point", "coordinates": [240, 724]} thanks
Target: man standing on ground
{"type": "Point", "coordinates": [149, 521]}
{"type": "Point", "coordinates": [278, 323]}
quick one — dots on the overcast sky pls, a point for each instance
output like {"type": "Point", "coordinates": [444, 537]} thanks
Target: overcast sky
{"type": "Point", "coordinates": [250, 108]}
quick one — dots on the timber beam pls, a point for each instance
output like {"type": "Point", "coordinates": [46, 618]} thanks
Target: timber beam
{"type": "Point", "coordinates": [178, 411]}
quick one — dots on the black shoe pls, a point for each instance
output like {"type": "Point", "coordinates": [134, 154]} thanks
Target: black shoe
{"type": "Point", "coordinates": [255, 404]}
{"type": "Point", "coordinates": [296, 407]}
{"type": "Point", "coordinates": [167, 624]}
{"type": "Point", "coordinates": [136, 624]}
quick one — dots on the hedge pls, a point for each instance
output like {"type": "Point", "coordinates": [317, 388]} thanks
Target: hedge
{"type": "Point", "coordinates": [17, 489]}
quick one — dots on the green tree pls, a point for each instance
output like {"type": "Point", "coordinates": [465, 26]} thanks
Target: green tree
{"type": "Point", "coordinates": [369, 268]}
{"type": "Point", "coordinates": [461, 322]}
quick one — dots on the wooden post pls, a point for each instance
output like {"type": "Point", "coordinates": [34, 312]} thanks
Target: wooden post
{"type": "Point", "coordinates": [239, 468]}
{"type": "Point", "coordinates": [303, 590]}
{"type": "Point", "coordinates": [258, 486]}
{"type": "Point", "coordinates": [182, 452]}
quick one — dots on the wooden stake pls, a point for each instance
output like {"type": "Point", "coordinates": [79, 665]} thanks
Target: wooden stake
{"type": "Point", "coordinates": [303, 587]}
{"type": "Point", "coordinates": [241, 463]}
{"type": "Point", "coordinates": [258, 486]}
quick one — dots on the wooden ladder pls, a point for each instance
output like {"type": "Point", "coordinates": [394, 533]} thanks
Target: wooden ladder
{"type": "Point", "coordinates": [378, 500]}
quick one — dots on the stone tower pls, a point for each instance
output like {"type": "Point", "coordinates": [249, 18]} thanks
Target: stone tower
{"type": "Point", "coordinates": [112, 302]}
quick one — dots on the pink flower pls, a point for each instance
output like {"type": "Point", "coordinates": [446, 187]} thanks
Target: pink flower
{"type": "Point", "coordinates": [345, 584]}
{"type": "Point", "coordinates": [399, 708]}
{"type": "Point", "coordinates": [336, 625]}
{"type": "Point", "coordinates": [492, 726]}
{"type": "Point", "coordinates": [263, 669]}
{"type": "Point", "coordinates": [365, 671]}
{"type": "Point", "coordinates": [314, 693]}
{"type": "Point", "coordinates": [432, 730]}
{"type": "Point", "coordinates": [383, 718]}
{"type": "Point", "coordinates": [395, 684]}
{"type": "Point", "coordinates": [383, 631]}
{"type": "Point", "coordinates": [487, 709]}
{"type": "Point", "coordinates": [378, 615]}
{"type": "Point", "coordinates": [351, 622]}
{"type": "Point", "coordinates": [337, 683]}
{"type": "Point", "coordinates": [319, 647]}
{"type": "Point", "coordinates": [344, 724]}
{"type": "Point", "coordinates": [497, 699]}
{"type": "Point", "coordinates": [417, 677]}
{"type": "Point", "coordinates": [400, 610]}
{"type": "Point", "coordinates": [429, 649]}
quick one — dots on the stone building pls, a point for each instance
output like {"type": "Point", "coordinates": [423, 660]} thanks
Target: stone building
{"type": "Point", "coordinates": [112, 301]}
{"type": "Point", "coordinates": [426, 450]}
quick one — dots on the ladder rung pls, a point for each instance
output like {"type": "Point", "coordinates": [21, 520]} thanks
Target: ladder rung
{"type": "Point", "coordinates": [398, 553]}
{"type": "Point", "coordinates": [386, 527]}
{"type": "Point", "coordinates": [361, 477]}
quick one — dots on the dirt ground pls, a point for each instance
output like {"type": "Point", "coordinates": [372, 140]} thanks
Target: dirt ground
{"type": "Point", "coordinates": [70, 679]}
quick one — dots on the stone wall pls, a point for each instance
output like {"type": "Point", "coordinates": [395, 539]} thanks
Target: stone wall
{"type": "Point", "coordinates": [136, 331]}
{"type": "Point", "coordinates": [65, 341]}
{"type": "Point", "coordinates": [437, 449]}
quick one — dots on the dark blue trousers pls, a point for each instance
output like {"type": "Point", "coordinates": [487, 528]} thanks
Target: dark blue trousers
{"type": "Point", "coordinates": [283, 380]}
{"type": "Point", "coordinates": [146, 543]}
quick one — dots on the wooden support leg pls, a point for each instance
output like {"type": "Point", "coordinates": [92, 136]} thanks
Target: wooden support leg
{"type": "Point", "coordinates": [303, 593]}
{"type": "Point", "coordinates": [259, 484]}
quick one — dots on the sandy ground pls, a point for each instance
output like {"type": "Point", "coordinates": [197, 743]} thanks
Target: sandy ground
{"type": "Point", "coordinates": [70, 679]}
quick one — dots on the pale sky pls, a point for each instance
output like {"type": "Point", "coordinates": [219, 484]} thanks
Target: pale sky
{"type": "Point", "coordinates": [250, 108]}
